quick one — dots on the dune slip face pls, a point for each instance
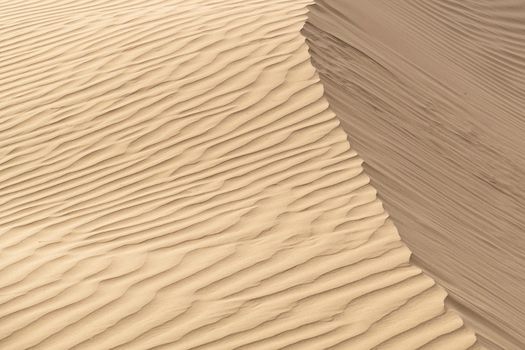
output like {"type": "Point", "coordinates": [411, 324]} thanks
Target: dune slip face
{"type": "Point", "coordinates": [432, 94]}
{"type": "Point", "coordinates": [171, 177]}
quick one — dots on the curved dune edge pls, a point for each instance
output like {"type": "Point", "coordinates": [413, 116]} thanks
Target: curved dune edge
{"type": "Point", "coordinates": [431, 95]}
{"type": "Point", "coordinates": [172, 178]}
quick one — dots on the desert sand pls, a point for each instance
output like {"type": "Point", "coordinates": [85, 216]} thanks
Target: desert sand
{"type": "Point", "coordinates": [172, 177]}
{"type": "Point", "coordinates": [432, 94]}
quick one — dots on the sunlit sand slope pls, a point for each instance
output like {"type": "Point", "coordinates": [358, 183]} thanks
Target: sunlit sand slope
{"type": "Point", "coordinates": [432, 94]}
{"type": "Point", "coordinates": [171, 177]}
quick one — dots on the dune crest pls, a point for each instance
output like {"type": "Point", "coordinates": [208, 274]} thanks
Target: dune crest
{"type": "Point", "coordinates": [432, 95]}
{"type": "Point", "coordinates": [173, 178]}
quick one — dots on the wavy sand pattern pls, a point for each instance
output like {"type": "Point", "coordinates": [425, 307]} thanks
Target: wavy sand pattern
{"type": "Point", "coordinates": [432, 94]}
{"type": "Point", "coordinates": [172, 178]}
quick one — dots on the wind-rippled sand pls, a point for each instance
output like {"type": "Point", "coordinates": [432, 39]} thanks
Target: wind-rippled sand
{"type": "Point", "coordinates": [171, 177]}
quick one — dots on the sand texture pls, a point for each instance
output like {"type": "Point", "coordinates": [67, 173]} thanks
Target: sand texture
{"type": "Point", "coordinates": [171, 177]}
{"type": "Point", "coordinates": [432, 94]}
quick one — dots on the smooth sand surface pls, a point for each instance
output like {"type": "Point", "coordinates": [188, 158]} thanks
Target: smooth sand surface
{"type": "Point", "coordinates": [171, 177]}
{"type": "Point", "coordinates": [432, 94]}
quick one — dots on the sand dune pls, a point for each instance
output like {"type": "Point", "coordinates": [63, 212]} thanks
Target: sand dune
{"type": "Point", "coordinates": [432, 94]}
{"type": "Point", "coordinates": [171, 177]}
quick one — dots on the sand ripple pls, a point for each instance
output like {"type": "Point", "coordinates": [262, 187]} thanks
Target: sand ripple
{"type": "Point", "coordinates": [171, 177]}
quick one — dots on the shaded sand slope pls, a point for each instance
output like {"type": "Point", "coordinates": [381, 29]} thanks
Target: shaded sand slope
{"type": "Point", "coordinates": [171, 178]}
{"type": "Point", "coordinates": [432, 94]}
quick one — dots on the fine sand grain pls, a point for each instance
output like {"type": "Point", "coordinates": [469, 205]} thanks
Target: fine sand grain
{"type": "Point", "coordinates": [432, 94]}
{"type": "Point", "coordinates": [171, 177]}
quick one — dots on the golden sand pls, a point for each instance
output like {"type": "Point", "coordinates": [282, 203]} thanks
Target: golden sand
{"type": "Point", "coordinates": [172, 177]}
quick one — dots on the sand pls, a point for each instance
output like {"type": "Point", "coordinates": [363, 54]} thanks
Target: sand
{"type": "Point", "coordinates": [172, 177]}
{"type": "Point", "coordinates": [432, 94]}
